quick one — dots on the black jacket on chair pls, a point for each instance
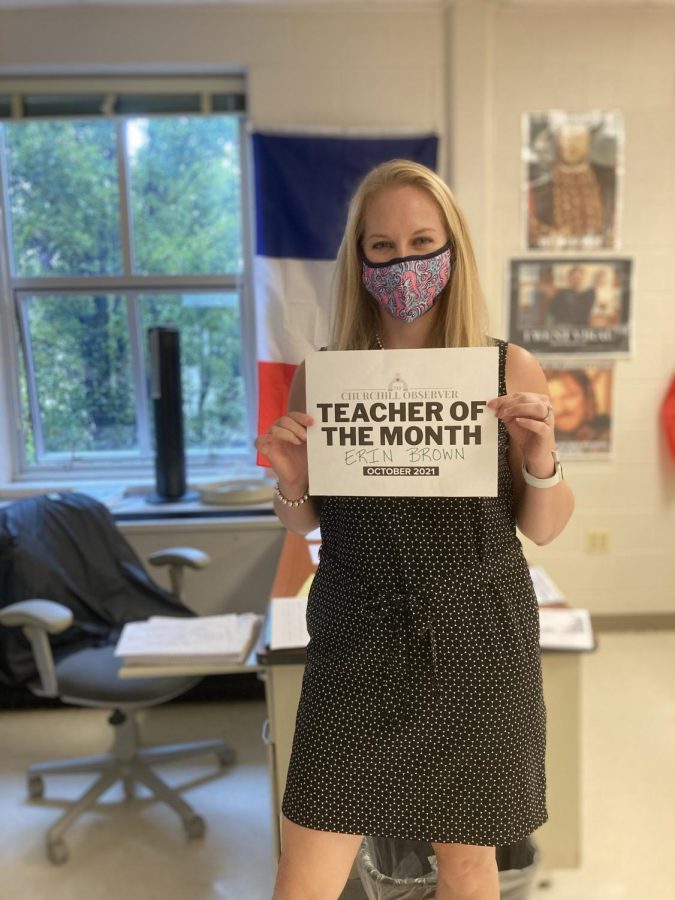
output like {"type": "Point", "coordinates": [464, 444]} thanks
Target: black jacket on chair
{"type": "Point", "coordinates": [67, 548]}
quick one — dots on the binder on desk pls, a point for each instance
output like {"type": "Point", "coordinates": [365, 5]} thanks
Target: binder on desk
{"type": "Point", "coordinates": [167, 640]}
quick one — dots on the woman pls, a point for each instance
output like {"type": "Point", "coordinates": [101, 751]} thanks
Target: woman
{"type": "Point", "coordinates": [422, 713]}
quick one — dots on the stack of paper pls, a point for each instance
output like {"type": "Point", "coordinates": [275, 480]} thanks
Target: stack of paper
{"type": "Point", "coordinates": [288, 626]}
{"type": "Point", "coordinates": [565, 629]}
{"type": "Point", "coordinates": [545, 588]}
{"type": "Point", "coordinates": [169, 640]}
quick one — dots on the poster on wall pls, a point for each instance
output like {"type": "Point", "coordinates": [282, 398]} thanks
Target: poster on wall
{"type": "Point", "coordinates": [572, 166]}
{"type": "Point", "coordinates": [581, 397]}
{"type": "Point", "coordinates": [406, 423]}
{"type": "Point", "coordinates": [580, 306]}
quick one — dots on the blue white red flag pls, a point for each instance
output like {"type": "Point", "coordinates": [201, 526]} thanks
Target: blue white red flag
{"type": "Point", "coordinates": [303, 184]}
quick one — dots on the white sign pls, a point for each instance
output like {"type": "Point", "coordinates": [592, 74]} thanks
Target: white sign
{"type": "Point", "coordinates": [408, 423]}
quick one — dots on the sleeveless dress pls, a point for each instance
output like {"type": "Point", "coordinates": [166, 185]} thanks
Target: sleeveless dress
{"type": "Point", "coordinates": [422, 714]}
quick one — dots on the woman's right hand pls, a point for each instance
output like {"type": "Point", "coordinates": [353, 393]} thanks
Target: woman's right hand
{"type": "Point", "coordinates": [285, 446]}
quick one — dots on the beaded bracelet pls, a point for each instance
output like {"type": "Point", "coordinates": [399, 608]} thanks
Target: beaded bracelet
{"type": "Point", "coordinates": [288, 502]}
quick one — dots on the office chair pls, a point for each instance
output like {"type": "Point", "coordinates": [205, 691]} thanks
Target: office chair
{"type": "Point", "coordinates": [88, 676]}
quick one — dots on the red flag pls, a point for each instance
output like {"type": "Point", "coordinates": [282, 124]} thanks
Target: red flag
{"type": "Point", "coordinates": [668, 417]}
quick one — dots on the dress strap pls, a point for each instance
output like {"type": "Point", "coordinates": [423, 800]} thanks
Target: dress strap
{"type": "Point", "coordinates": [503, 347]}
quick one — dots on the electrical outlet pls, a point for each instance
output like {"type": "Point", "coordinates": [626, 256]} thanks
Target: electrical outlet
{"type": "Point", "coordinates": [597, 540]}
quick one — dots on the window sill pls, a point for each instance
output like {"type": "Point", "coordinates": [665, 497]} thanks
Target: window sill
{"type": "Point", "coordinates": [129, 501]}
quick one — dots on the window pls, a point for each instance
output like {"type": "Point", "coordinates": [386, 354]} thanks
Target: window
{"type": "Point", "coordinates": [123, 210]}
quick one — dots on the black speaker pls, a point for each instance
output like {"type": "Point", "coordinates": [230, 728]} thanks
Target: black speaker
{"type": "Point", "coordinates": [167, 401]}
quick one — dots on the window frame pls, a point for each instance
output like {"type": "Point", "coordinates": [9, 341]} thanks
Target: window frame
{"type": "Point", "coordinates": [13, 289]}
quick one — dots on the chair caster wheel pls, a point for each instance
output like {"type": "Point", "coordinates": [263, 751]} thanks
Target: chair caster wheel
{"type": "Point", "coordinates": [195, 827]}
{"type": "Point", "coordinates": [36, 787]}
{"type": "Point", "coordinates": [57, 852]}
{"type": "Point", "coordinates": [227, 757]}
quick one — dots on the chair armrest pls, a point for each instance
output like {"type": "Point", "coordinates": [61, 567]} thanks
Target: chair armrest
{"type": "Point", "coordinates": [51, 617]}
{"type": "Point", "coordinates": [180, 556]}
{"type": "Point", "coordinates": [177, 558]}
{"type": "Point", "coordinates": [39, 618]}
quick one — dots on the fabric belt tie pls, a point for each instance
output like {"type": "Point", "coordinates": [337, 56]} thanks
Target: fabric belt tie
{"type": "Point", "coordinates": [402, 615]}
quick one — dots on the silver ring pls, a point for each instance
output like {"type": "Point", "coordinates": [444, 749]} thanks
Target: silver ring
{"type": "Point", "coordinates": [548, 413]}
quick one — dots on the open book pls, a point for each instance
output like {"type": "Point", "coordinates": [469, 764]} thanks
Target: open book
{"type": "Point", "coordinates": [163, 640]}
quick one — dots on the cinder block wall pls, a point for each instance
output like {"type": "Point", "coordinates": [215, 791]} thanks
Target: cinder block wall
{"type": "Point", "coordinates": [467, 70]}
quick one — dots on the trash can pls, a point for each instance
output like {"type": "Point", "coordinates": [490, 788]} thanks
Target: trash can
{"type": "Point", "coordinates": [401, 869]}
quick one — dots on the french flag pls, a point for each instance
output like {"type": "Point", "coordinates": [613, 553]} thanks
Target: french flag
{"type": "Point", "coordinates": [303, 184]}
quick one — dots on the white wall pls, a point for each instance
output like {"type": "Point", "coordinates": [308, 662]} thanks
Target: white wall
{"type": "Point", "coordinates": [469, 74]}
{"type": "Point", "coordinates": [585, 58]}
{"type": "Point", "coordinates": [326, 66]}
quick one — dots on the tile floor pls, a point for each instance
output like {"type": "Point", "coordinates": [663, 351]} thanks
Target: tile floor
{"type": "Point", "coordinates": [141, 853]}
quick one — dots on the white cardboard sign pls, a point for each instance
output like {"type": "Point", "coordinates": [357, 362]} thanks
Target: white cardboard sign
{"type": "Point", "coordinates": [408, 423]}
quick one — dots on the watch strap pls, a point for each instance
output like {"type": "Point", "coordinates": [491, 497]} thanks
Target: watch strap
{"type": "Point", "coordinates": [551, 481]}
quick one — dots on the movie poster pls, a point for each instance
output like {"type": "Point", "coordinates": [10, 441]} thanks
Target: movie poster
{"type": "Point", "coordinates": [580, 306]}
{"type": "Point", "coordinates": [581, 397]}
{"type": "Point", "coordinates": [571, 180]}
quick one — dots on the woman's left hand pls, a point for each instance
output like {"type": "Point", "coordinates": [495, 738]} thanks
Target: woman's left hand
{"type": "Point", "coordinates": [529, 421]}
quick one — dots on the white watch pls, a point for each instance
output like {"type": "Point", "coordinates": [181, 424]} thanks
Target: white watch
{"type": "Point", "coordinates": [544, 482]}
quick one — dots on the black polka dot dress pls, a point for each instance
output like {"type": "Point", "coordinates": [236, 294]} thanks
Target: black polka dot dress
{"type": "Point", "coordinates": [422, 713]}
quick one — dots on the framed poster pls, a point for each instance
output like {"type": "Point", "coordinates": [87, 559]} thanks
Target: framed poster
{"type": "Point", "coordinates": [579, 306]}
{"type": "Point", "coordinates": [572, 166]}
{"type": "Point", "coordinates": [581, 396]}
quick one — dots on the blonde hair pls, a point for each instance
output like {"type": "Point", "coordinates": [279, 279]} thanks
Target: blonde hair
{"type": "Point", "coordinates": [463, 317]}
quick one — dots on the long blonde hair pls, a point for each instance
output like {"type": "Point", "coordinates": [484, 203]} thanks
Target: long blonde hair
{"type": "Point", "coordinates": [463, 317]}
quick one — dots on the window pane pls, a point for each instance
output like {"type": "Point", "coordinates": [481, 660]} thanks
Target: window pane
{"type": "Point", "coordinates": [134, 104]}
{"type": "Point", "coordinates": [80, 349]}
{"type": "Point", "coordinates": [62, 105]}
{"type": "Point", "coordinates": [228, 102]}
{"type": "Point", "coordinates": [185, 194]}
{"type": "Point", "coordinates": [63, 198]}
{"type": "Point", "coordinates": [210, 348]}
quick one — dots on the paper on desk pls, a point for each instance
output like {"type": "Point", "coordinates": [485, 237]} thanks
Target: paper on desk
{"type": "Point", "coordinates": [314, 553]}
{"type": "Point", "coordinates": [544, 587]}
{"type": "Point", "coordinates": [166, 639]}
{"type": "Point", "coordinates": [289, 622]}
{"type": "Point", "coordinates": [565, 629]}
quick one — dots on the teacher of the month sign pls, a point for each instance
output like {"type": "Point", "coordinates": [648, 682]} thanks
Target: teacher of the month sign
{"type": "Point", "coordinates": [411, 423]}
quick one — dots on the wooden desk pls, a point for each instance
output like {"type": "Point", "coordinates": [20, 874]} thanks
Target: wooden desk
{"type": "Point", "coordinates": [559, 839]}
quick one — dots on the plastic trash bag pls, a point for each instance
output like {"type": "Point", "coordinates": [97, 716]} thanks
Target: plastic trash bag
{"type": "Point", "coordinates": [402, 869]}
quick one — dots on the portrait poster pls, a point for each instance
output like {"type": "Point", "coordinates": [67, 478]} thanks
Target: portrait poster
{"type": "Point", "coordinates": [572, 170]}
{"type": "Point", "coordinates": [581, 397]}
{"type": "Point", "coordinates": [580, 306]}
{"type": "Point", "coordinates": [409, 423]}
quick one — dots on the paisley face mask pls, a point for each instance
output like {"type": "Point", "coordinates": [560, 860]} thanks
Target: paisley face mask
{"type": "Point", "coordinates": [409, 286]}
